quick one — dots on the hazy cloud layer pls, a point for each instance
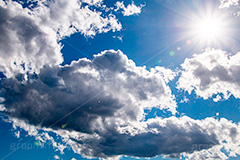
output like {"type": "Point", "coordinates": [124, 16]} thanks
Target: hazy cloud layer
{"type": "Point", "coordinates": [212, 73]}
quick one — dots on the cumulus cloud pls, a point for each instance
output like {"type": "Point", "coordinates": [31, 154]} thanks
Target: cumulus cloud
{"type": "Point", "coordinates": [109, 85]}
{"type": "Point", "coordinates": [96, 109]}
{"type": "Point", "coordinates": [76, 17]}
{"type": "Point", "coordinates": [29, 37]}
{"type": "Point", "coordinates": [212, 73]}
{"type": "Point", "coordinates": [228, 134]}
{"type": "Point", "coordinates": [131, 9]}
{"type": "Point", "coordinates": [24, 43]}
{"type": "Point", "coordinates": [172, 137]}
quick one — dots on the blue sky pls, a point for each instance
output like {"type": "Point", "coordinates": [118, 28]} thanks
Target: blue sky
{"type": "Point", "coordinates": [119, 79]}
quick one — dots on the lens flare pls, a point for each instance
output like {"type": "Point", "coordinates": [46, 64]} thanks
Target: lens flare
{"type": "Point", "coordinates": [188, 42]}
{"type": "Point", "coordinates": [172, 53]}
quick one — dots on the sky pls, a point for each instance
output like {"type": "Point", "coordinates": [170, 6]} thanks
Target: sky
{"type": "Point", "coordinates": [119, 80]}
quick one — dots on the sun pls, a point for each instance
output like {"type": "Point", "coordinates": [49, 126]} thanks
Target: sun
{"type": "Point", "coordinates": [210, 29]}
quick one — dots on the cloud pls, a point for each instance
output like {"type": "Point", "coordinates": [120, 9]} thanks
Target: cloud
{"type": "Point", "coordinates": [93, 2]}
{"type": "Point", "coordinates": [76, 17]}
{"type": "Point", "coordinates": [131, 9]}
{"type": "Point", "coordinates": [108, 96]}
{"type": "Point", "coordinates": [25, 44]}
{"type": "Point", "coordinates": [110, 85]}
{"type": "Point", "coordinates": [212, 73]}
{"type": "Point", "coordinates": [56, 157]}
{"type": "Point", "coordinates": [30, 36]}
{"type": "Point", "coordinates": [228, 134]}
{"type": "Point", "coordinates": [228, 3]}
{"type": "Point", "coordinates": [96, 107]}
{"type": "Point", "coordinates": [172, 137]}
{"type": "Point", "coordinates": [233, 4]}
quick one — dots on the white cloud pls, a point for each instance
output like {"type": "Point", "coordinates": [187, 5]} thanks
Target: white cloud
{"type": "Point", "coordinates": [56, 157]}
{"type": "Point", "coordinates": [228, 3]}
{"type": "Point", "coordinates": [184, 100]}
{"type": "Point", "coordinates": [30, 37]}
{"type": "Point", "coordinates": [2, 108]}
{"type": "Point", "coordinates": [120, 38]}
{"type": "Point", "coordinates": [213, 72]}
{"type": "Point", "coordinates": [25, 44]}
{"type": "Point", "coordinates": [93, 2]}
{"type": "Point", "coordinates": [217, 98]}
{"type": "Point", "coordinates": [228, 134]}
{"type": "Point", "coordinates": [17, 134]}
{"type": "Point", "coordinates": [76, 18]}
{"type": "Point", "coordinates": [131, 9]}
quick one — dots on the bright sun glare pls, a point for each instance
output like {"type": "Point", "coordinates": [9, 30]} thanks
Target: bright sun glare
{"type": "Point", "coordinates": [210, 29]}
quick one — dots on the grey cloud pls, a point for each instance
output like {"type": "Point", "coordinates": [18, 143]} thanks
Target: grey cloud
{"type": "Point", "coordinates": [171, 139]}
{"type": "Point", "coordinates": [112, 91]}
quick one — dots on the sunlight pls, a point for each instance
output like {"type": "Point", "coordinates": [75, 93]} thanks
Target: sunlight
{"type": "Point", "coordinates": [209, 28]}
